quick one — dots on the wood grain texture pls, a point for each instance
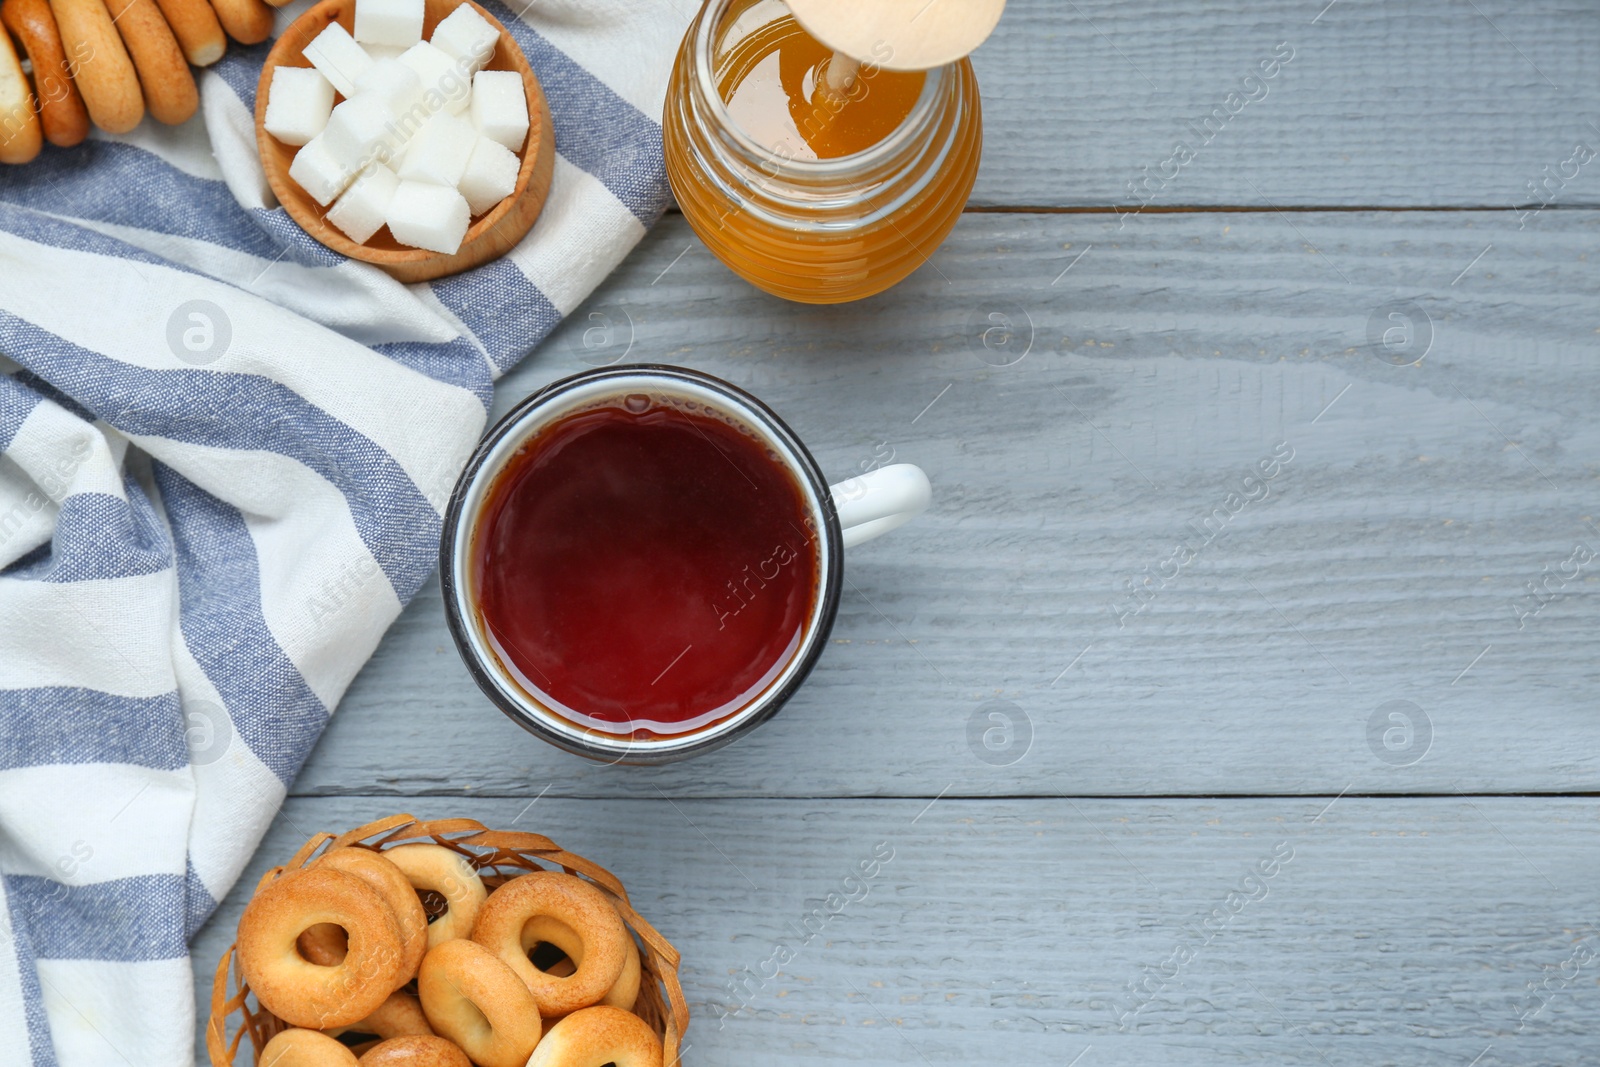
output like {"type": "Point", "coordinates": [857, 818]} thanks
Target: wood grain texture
{"type": "Point", "coordinates": [1361, 629]}
{"type": "Point", "coordinates": [1388, 560]}
{"type": "Point", "coordinates": [1430, 103]}
{"type": "Point", "coordinates": [1394, 931]}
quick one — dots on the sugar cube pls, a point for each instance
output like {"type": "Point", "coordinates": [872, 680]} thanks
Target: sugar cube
{"type": "Point", "coordinates": [335, 53]}
{"type": "Point", "coordinates": [393, 22]}
{"type": "Point", "coordinates": [428, 216]}
{"type": "Point", "coordinates": [317, 172]}
{"type": "Point", "coordinates": [360, 210]}
{"type": "Point", "coordinates": [500, 107]}
{"type": "Point", "coordinates": [298, 102]}
{"type": "Point", "coordinates": [396, 84]}
{"type": "Point", "coordinates": [468, 37]}
{"type": "Point", "coordinates": [440, 150]}
{"type": "Point", "coordinates": [357, 129]}
{"type": "Point", "coordinates": [445, 85]}
{"type": "Point", "coordinates": [491, 175]}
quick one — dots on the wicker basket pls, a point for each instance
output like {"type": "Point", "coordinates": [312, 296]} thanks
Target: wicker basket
{"type": "Point", "coordinates": [498, 856]}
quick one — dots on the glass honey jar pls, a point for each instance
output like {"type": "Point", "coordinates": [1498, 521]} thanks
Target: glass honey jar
{"type": "Point", "coordinates": [810, 192]}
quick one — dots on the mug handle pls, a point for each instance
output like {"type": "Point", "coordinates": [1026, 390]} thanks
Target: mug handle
{"type": "Point", "coordinates": [872, 504]}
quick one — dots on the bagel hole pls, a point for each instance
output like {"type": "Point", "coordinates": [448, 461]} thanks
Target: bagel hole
{"type": "Point", "coordinates": [480, 1021]}
{"type": "Point", "coordinates": [323, 945]}
{"type": "Point", "coordinates": [433, 904]}
{"type": "Point", "coordinates": [551, 960]}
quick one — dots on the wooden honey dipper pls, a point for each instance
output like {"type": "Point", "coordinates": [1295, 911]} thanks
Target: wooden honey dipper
{"type": "Point", "coordinates": [895, 34]}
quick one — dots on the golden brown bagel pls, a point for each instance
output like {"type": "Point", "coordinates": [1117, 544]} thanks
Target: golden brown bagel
{"type": "Point", "coordinates": [596, 1036]}
{"type": "Point", "coordinates": [399, 1016]}
{"type": "Point", "coordinates": [20, 139]}
{"type": "Point", "coordinates": [597, 931]}
{"type": "Point", "coordinates": [552, 931]}
{"type": "Point", "coordinates": [300, 992]}
{"type": "Point", "coordinates": [169, 90]}
{"type": "Point", "coordinates": [396, 891]}
{"type": "Point", "coordinates": [305, 1048]}
{"type": "Point", "coordinates": [415, 1052]}
{"type": "Point", "coordinates": [476, 1001]}
{"type": "Point", "coordinates": [103, 72]}
{"type": "Point", "coordinates": [247, 21]}
{"type": "Point", "coordinates": [195, 25]}
{"type": "Point", "coordinates": [61, 112]}
{"type": "Point", "coordinates": [446, 872]}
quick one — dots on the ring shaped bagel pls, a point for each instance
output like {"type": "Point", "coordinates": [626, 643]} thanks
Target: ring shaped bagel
{"type": "Point", "coordinates": [596, 1036]}
{"type": "Point", "coordinates": [396, 891]}
{"type": "Point", "coordinates": [169, 89]}
{"type": "Point", "coordinates": [297, 990]}
{"type": "Point", "coordinates": [415, 1051]}
{"type": "Point", "coordinates": [104, 74]}
{"type": "Point", "coordinates": [542, 928]}
{"type": "Point", "coordinates": [601, 952]}
{"type": "Point", "coordinates": [399, 1016]}
{"type": "Point", "coordinates": [61, 111]}
{"type": "Point", "coordinates": [305, 1048]}
{"type": "Point", "coordinates": [20, 134]}
{"type": "Point", "coordinates": [446, 872]}
{"type": "Point", "coordinates": [195, 25]}
{"type": "Point", "coordinates": [479, 1003]}
{"type": "Point", "coordinates": [247, 21]}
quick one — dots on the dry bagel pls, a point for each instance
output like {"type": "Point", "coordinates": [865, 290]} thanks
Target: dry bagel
{"type": "Point", "coordinates": [396, 891]}
{"type": "Point", "coordinates": [169, 89]}
{"type": "Point", "coordinates": [305, 1048]}
{"type": "Point", "coordinates": [61, 112]}
{"type": "Point", "coordinates": [444, 871]}
{"type": "Point", "coordinates": [477, 1001]}
{"type": "Point", "coordinates": [586, 911]}
{"type": "Point", "coordinates": [195, 25]}
{"type": "Point", "coordinates": [300, 992]}
{"type": "Point", "coordinates": [597, 1036]}
{"type": "Point", "coordinates": [399, 1016]}
{"type": "Point", "coordinates": [622, 994]}
{"type": "Point", "coordinates": [247, 21]}
{"type": "Point", "coordinates": [415, 1052]}
{"type": "Point", "coordinates": [20, 137]}
{"type": "Point", "coordinates": [104, 74]}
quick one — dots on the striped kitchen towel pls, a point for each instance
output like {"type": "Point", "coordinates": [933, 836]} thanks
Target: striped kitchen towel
{"type": "Point", "coordinates": [224, 453]}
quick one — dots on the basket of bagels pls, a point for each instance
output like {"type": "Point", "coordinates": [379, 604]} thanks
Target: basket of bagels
{"type": "Point", "coordinates": [443, 944]}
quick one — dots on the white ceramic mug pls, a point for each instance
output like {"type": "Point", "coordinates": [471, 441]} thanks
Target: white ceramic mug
{"type": "Point", "coordinates": [850, 513]}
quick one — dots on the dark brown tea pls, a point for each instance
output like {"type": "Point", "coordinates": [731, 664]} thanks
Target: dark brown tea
{"type": "Point", "coordinates": [644, 567]}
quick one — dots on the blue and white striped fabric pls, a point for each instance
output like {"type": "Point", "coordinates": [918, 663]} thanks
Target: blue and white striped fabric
{"type": "Point", "coordinates": [224, 451]}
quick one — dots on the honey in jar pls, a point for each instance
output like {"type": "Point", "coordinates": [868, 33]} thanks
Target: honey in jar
{"type": "Point", "coordinates": [814, 187]}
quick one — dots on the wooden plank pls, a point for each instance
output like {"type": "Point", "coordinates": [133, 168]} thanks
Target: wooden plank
{"type": "Point", "coordinates": [1388, 562]}
{"type": "Point", "coordinates": [1431, 103]}
{"type": "Point", "coordinates": [1394, 931]}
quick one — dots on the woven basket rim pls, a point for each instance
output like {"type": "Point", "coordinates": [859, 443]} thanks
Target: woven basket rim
{"type": "Point", "coordinates": [488, 850]}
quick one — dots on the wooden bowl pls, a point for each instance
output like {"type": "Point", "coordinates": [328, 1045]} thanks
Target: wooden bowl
{"type": "Point", "coordinates": [498, 856]}
{"type": "Point", "coordinates": [490, 235]}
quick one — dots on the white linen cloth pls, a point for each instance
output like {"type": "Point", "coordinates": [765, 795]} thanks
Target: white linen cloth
{"type": "Point", "coordinates": [224, 452]}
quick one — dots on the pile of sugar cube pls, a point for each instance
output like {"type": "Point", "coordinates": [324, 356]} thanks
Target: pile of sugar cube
{"type": "Point", "coordinates": [424, 138]}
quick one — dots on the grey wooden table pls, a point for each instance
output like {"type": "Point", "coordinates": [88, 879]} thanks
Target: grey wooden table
{"type": "Point", "coordinates": [1176, 763]}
